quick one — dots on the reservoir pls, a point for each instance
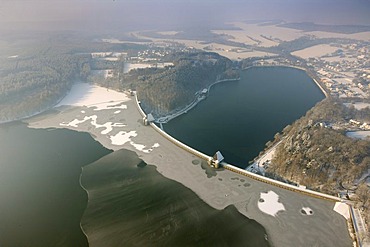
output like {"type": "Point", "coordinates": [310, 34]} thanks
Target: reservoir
{"type": "Point", "coordinates": [239, 117]}
{"type": "Point", "coordinates": [130, 203]}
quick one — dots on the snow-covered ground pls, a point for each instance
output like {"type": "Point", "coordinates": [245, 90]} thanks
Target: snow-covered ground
{"type": "Point", "coordinates": [365, 36]}
{"type": "Point", "coordinates": [98, 99]}
{"type": "Point", "coordinates": [231, 52]}
{"type": "Point", "coordinates": [348, 81]}
{"type": "Point", "coordinates": [362, 134]}
{"type": "Point", "coordinates": [131, 66]}
{"type": "Point", "coordinates": [84, 94]}
{"type": "Point", "coordinates": [244, 37]}
{"type": "Point", "coordinates": [307, 211]}
{"type": "Point", "coordinates": [108, 73]}
{"type": "Point", "coordinates": [260, 163]}
{"type": "Point", "coordinates": [255, 30]}
{"type": "Point", "coordinates": [358, 105]}
{"type": "Point", "coordinates": [339, 59]}
{"type": "Point", "coordinates": [342, 209]}
{"type": "Point", "coordinates": [315, 51]}
{"type": "Point", "coordinates": [168, 32]}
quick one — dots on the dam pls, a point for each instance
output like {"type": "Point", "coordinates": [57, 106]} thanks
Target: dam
{"type": "Point", "coordinates": [279, 210]}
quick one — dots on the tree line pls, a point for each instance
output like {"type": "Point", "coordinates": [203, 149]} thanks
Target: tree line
{"type": "Point", "coordinates": [29, 84]}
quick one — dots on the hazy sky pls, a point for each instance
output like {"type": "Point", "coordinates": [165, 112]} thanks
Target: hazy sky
{"type": "Point", "coordinates": [133, 13]}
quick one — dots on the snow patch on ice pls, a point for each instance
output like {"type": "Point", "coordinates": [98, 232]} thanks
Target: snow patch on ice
{"type": "Point", "coordinates": [122, 137]}
{"type": "Point", "coordinates": [269, 203]}
{"type": "Point", "coordinates": [108, 127]}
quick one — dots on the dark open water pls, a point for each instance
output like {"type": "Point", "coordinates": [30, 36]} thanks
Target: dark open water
{"type": "Point", "coordinates": [130, 204]}
{"type": "Point", "coordinates": [239, 118]}
{"type": "Point", "coordinates": [41, 201]}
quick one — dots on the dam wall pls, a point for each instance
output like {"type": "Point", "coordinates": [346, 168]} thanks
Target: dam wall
{"type": "Point", "coordinates": [280, 184]}
{"type": "Point", "coordinates": [237, 169]}
{"type": "Point", "coordinates": [170, 138]}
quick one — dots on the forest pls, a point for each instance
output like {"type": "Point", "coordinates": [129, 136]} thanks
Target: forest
{"type": "Point", "coordinates": [38, 70]}
{"type": "Point", "coordinates": [175, 87]}
{"type": "Point", "coordinates": [324, 158]}
{"type": "Point", "coordinates": [32, 84]}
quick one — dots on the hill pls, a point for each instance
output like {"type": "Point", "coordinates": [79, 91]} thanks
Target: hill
{"type": "Point", "coordinates": [315, 152]}
{"type": "Point", "coordinates": [175, 87]}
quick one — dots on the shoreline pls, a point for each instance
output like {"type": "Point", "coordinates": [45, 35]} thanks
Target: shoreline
{"type": "Point", "coordinates": [187, 108]}
{"type": "Point", "coordinates": [112, 214]}
{"type": "Point", "coordinates": [194, 103]}
{"type": "Point", "coordinates": [87, 203]}
{"type": "Point", "coordinates": [36, 113]}
{"type": "Point", "coordinates": [238, 170]}
{"type": "Point", "coordinates": [179, 112]}
{"type": "Point", "coordinates": [30, 115]}
{"type": "Point", "coordinates": [294, 67]}
{"type": "Point", "coordinates": [261, 155]}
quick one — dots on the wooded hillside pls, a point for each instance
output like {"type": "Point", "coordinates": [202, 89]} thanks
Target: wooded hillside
{"type": "Point", "coordinates": [315, 152]}
{"type": "Point", "coordinates": [31, 84]}
{"type": "Point", "coordinates": [174, 87]}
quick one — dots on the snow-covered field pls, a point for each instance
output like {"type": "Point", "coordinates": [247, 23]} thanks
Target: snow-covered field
{"type": "Point", "coordinates": [168, 32]}
{"type": "Point", "coordinates": [271, 31]}
{"type": "Point", "coordinates": [231, 52]}
{"type": "Point", "coordinates": [315, 51]}
{"type": "Point", "coordinates": [111, 59]}
{"type": "Point", "coordinates": [84, 94]}
{"type": "Point", "coordinates": [108, 126]}
{"type": "Point", "coordinates": [244, 37]}
{"type": "Point", "coordinates": [131, 66]}
{"type": "Point", "coordinates": [365, 36]}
